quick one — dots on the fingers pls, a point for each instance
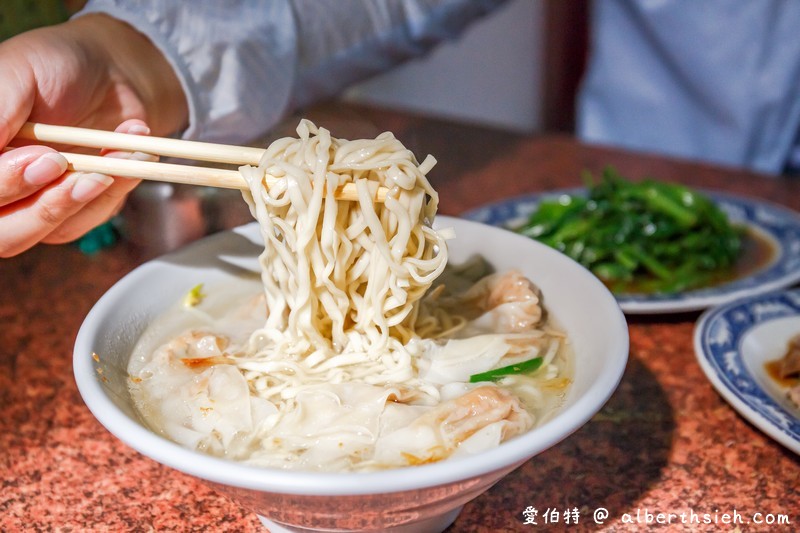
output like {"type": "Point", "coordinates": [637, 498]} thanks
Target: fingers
{"type": "Point", "coordinates": [107, 204]}
{"type": "Point", "coordinates": [31, 219]}
{"type": "Point", "coordinates": [23, 171]}
{"type": "Point", "coordinates": [111, 200]}
{"type": "Point", "coordinates": [132, 126]}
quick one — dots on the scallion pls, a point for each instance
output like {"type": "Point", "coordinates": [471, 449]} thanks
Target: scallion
{"type": "Point", "coordinates": [520, 368]}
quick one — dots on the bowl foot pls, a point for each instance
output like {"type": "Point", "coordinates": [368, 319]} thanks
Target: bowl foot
{"type": "Point", "coordinates": [435, 524]}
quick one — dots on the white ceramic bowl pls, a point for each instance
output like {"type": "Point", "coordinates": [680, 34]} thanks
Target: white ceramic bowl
{"type": "Point", "coordinates": [415, 499]}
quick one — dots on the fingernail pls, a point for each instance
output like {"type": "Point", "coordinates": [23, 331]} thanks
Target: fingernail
{"type": "Point", "coordinates": [134, 156]}
{"type": "Point", "coordinates": [89, 186]}
{"type": "Point", "coordinates": [45, 169]}
{"type": "Point", "coordinates": [138, 129]}
{"type": "Point", "coordinates": [141, 156]}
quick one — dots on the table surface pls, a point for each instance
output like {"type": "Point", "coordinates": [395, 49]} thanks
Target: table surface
{"type": "Point", "coordinates": [666, 442]}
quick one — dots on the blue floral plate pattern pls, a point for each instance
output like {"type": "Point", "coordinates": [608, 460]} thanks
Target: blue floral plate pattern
{"type": "Point", "coordinates": [733, 343]}
{"type": "Point", "coordinates": [777, 224]}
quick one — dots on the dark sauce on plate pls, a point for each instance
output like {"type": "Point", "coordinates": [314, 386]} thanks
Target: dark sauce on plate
{"type": "Point", "coordinates": [786, 370]}
{"type": "Point", "coordinates": [773, 370]}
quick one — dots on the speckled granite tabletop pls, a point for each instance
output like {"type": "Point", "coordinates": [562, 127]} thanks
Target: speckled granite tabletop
{"type": "Point", "coordinates": [666, 442]}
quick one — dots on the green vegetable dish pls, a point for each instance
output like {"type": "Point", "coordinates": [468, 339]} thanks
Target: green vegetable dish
{"type": "Point", "coordinates": [640, 237]}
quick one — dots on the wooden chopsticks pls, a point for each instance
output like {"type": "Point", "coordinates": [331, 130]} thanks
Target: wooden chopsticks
{"type": "Point", "coordinates": [169, 172]}
{"type": "Point", "coordinates": [200, 151]}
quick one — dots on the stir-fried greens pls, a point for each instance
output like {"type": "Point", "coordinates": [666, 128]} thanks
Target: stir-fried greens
{"type": "Point", "coordinates": [647, 236]}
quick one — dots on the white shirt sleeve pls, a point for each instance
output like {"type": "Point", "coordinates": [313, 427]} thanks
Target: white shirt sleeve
{"type": "Point", "coordinates": [244, 64]}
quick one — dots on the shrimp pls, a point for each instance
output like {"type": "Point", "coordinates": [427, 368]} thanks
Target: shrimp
{"type": "Point", "coordinates": [487, 410]}
{"type": "Point", "coordinates": [514, 303]}
{"type": "Point", "coordinates": [197, 349]}
{"type": "Point", "coordinates": [500, 303]}
{"type": "Point", "coordinates": [463, 416]}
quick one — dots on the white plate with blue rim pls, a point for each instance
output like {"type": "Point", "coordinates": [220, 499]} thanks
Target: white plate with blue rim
{"type": "Point", "coordinates": [735, 342]}
{"type": "Point", "coordinates": [778, 226]}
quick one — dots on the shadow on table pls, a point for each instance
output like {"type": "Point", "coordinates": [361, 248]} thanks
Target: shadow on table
{"type": "Point", "coordinates": [609, 463]}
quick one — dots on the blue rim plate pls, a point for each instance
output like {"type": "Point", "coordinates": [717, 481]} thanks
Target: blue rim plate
{"type": "Point", "coordinates": [733, 342]}
{"type": "Point", "coordinates": [779, 225]}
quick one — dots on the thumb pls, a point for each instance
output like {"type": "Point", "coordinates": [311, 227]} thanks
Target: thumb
{"type": "Point", "coordinates": [17, 95]}
{"type": "Point", "coordinates": [17, 90]}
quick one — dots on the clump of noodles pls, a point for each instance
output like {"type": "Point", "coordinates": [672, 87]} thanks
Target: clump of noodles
{"type": "Point", "coordinates": [341, 278]}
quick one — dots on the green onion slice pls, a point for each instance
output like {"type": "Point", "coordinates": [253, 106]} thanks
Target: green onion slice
{"type": "Point", "coordinates": [194, 296]}
{"type": "Point", "coordinates": [497, 373]}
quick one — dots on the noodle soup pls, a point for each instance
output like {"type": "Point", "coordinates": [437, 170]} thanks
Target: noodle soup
{"type": "Point", "coordinates": [359, 348]}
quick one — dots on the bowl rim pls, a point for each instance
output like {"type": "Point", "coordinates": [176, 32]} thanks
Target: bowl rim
{"type": "Point", "coordinates": [507, 456]}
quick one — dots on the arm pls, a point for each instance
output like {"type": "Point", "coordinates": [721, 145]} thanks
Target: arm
{"type": "Point", "coordinates": [245, 64]}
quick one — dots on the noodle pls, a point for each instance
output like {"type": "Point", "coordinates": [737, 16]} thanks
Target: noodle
{"type": "Point", "coordinates": [350, 273]}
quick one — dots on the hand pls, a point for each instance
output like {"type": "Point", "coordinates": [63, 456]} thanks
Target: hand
{"type": "Point", "coordinates": [41, 202]}
{"type": "Point", "coordinates": [93, 72]}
